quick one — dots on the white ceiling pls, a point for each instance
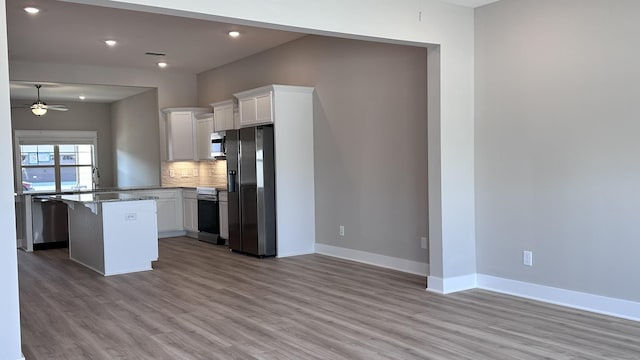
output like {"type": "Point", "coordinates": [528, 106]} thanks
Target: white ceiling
{"type": "Point", "coordinates": [470, 3]}
{"type": "Point", "coordinates": [50, 92]}
{"type": "Point", "coordinates": [70, 33]}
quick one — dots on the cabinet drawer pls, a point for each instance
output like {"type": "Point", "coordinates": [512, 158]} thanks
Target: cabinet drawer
{"type": "Point", "coordinates": [189, 194]}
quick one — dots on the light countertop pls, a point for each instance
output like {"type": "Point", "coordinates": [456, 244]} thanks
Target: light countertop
{"type": "Point", "coordinates": [98, 197]}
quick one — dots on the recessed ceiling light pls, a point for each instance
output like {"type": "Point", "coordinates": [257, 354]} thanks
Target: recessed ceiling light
{"type": "Point", "coordinates": [110, 42]}
{"type": "Point", "coordinates": [162, 64]}
{"type": "Point", "coordinates": [234, 33]}
{"type": "Point", "coordinates": [32, 10]}
{"type": "Point", "coordinates": [82, 97]}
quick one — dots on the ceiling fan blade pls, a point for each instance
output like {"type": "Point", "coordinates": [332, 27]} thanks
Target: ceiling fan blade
{"type": "Point", "coordinates": [42, 105]}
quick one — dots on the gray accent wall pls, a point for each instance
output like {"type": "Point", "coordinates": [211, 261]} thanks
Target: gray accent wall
{"type": "Point", "coordinates": [175, 89]}
{"type": "Point", "coordinates": [370, 135]}
{"type": "Point", "coordinates": [557, 143]}
{"type": "Point", "coordinates": [81, 116]}
{"type": "Point", "coordinates": [136, 140]}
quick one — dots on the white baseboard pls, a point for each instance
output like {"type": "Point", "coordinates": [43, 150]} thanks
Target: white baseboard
{"type": "Point", "coordinates": [294, 254]}
{"type": "Point", "coordinates": [389, 262]}
{"type": "Point", "coordinates": [168, 234]}
{"type": "Point", "coordinates": [624, 309]}
{"type": "Point", "coordinates": [589, 302]}
{"type": "Point", "coordinates": [452, 284]}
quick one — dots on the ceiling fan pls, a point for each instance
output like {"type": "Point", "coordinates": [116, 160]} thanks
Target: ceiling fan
{"type": "Point", "coordinates": [40, 108]}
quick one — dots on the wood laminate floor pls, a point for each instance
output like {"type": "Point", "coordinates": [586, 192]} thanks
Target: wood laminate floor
{"type": "Point", "coordinates": [202, 302]}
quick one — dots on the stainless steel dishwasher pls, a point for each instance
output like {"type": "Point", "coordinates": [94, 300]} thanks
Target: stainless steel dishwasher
{"type": "Point", "coordinates": [50, 224]}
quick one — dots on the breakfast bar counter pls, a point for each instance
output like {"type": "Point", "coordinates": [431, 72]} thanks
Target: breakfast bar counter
{"type": "Point", "coordinates": [111, 232]}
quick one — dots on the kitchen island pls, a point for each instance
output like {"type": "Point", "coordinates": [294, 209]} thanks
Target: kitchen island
{"type": "Point", "coordinates": [112, 232]}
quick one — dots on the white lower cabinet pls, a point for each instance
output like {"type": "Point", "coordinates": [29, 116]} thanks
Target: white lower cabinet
{"type": "Point", "coordinates": [169, 208]}
{"type": "Point", "coordinates": [190, 210]}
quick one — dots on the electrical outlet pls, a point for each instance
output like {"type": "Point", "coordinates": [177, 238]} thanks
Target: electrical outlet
{"type": "Point", "coordinates": [527, 258]}
{"type": "Point", "coordinates": [341, 230]}
{"type": "Point", "coordinates": [195, 172]}
{"type": "Point", "coordinates": [172, 173]}
{"type": "Point", "coordinates": [423, 242]}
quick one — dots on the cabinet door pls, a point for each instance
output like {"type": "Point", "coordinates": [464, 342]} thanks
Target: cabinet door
{"type": "Point", "coordinates": [168, 207]}
{"type": "Point", "coordinates": [204, 130]}
{"type": "Point", "coordinates": [180, 131]}
{"type": "Point", "coordinates": [247, 111]}
{"type": "Point", "coordinates": [263, 109]}
{"type": "Point", "coordinates": [223, 118]}
{"type": "Point", "coordinates": [167, 211]}
{"type": "Point", "coordinates": [256, 110]}
{"type": "Point", "coordinates": [190, 214]}
{"type": "Point", "coordinates": [224, 220]}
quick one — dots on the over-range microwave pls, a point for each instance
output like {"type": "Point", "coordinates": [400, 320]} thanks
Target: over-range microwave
{"type": "Point", "coordinates": [218, 150]}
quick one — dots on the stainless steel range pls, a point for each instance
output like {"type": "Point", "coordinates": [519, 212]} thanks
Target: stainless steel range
{"type": "Point", "coordinates": [208, 215]}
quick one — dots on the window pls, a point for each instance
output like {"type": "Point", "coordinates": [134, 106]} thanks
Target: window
{"type": "Point", "coordinates": [55, 161]}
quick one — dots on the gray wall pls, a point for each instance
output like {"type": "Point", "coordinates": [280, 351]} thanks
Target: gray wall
{"type": "Point", "coordinates": [370, 121]}
{"type": "Point", "coordinates": [557, 124]}
{"type": "Point", "coordinates": [81, 116]}
{"type": "Point", "coordinates": [174, 88]}
{"type": "Point", "coordinates": [136, 140]}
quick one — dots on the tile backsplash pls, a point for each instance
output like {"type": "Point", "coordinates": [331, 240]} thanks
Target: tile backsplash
{"type": "Point", "coordinates": [194, 173]}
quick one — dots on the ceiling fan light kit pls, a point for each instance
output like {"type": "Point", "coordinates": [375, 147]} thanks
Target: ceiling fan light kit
{"type": "Point", "coordinates": [39, 108]}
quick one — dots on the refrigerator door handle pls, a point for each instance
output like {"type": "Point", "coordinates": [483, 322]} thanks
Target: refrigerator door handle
{"type": "Point", "coordinates": [231, 181]}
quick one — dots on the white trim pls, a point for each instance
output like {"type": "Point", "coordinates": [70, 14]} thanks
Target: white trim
{"type": "Point", "coordinates": [58, 137]}
{"type": "Point", "coordinates": [21, 358]}
{"type": "Point", "coordinates": [595, 303]}
{"type": "Point", "coordinates": [452, 284]}
{"type": "Point", "coordinates": [389, 262]}
{"type": "Point", "coordinates": [288, 254]}
{"type": "Point", "coordinates": [171, 233]}
{"type": "Point", "coordinates": [62, 136]}
{"type": "Point", "coordinates": [434, 285]}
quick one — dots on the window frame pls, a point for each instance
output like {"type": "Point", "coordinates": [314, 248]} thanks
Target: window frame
{"type": "Point", "coordinates": [50, 137]}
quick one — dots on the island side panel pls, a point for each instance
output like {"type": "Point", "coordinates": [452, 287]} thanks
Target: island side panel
{"type": "Point", "coordinates": [86, 235]}
{"type": "Point", "coordinates": [130, 236]}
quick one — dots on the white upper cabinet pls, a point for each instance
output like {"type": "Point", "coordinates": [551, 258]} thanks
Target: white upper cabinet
{"type": "Point", "coordinates": [181, 130]}
{"type": "Point", "coordinates": [223, 115]}
{"type": "Point", "coordinates": [204, 129]}
{"type": "Point", "coordinates": [256, 106]}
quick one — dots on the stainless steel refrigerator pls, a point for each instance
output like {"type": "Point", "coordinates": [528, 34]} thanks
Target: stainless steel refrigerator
{"type": "Point", "coordinates": [251, 190]}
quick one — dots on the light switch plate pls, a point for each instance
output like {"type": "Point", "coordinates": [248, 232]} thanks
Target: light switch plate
{"type": "Point", "coordinates": [527, 258]}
